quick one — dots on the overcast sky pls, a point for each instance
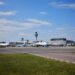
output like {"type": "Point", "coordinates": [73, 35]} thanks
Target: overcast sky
{"type": "Point", "coordinates": [50, 18]}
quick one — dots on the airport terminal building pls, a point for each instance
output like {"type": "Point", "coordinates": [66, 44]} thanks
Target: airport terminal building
{"type": "Point", "coordinates": [58, 42]}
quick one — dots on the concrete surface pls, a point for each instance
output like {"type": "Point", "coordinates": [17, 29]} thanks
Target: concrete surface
{"type": "Point", "coordinates": [66, 54]}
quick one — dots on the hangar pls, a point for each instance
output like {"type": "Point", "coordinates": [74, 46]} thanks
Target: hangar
{"type": "Point", "coordinates": [58, 42]}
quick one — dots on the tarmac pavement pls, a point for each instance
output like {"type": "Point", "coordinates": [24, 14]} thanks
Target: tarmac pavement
{"type": "Point", "coordinates": [66, 54]}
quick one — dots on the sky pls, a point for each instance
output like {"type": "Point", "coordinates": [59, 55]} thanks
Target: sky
{"type": "Point", "coordinates": [50, 18]}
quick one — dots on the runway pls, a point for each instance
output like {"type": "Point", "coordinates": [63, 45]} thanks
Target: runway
{"type": "Point", "coordinates": [66, 54]}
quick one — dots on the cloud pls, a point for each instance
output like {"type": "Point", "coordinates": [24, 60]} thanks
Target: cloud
{"type": "Point", "coordinates": [38, 22]}
{"type": "Point", "coordinates": [43, 13]}
{"type": "Point", "coordinates": [17, 25]}
{"type": "Point", "coordinates": [23, 34]}
{"type": "Point", "coordinates": [6, 22]}
{"type": "Point", "coordinates": [4, 32]}
{"type": "Point", "coordinates": [2, 3]}
{"type": "Point", "coordinates": [10, 27]}
{"type": "Point", "coordinates": [62, 5]}
{"type": "Point", "coordinates": [7, 13]}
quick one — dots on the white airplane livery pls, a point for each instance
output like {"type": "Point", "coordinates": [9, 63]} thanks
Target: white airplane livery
{"type": "Point", "coordinates": [3, 44]}
{"type": "Point", "coordinates": [43, 44]}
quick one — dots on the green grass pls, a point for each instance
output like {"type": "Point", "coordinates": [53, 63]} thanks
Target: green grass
{"type": "Point", "coordinates": [26, 64]}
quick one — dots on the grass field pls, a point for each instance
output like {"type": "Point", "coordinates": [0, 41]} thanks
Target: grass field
{"type": "Point", "coordinates": [26, 64]}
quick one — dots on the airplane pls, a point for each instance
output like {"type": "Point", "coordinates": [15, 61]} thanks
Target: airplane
{"type": "Point", "coordinates": [41, 44]}
{"type": "Point", "coordinates": [3, 44]}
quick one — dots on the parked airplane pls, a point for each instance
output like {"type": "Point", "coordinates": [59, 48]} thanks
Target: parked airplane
{"type": "Point", "coordinates": [3, 44]}
{"type": "Point", "coordinates": [42, 44]}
